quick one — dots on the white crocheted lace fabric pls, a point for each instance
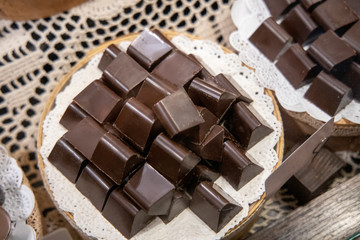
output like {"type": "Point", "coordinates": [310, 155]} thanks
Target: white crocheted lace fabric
{"type": "Point", "coordinates": [247, 15]}
{"type": "Point", "coordinates": [91, 222]}
{"type": "Point", "coordinates": [19, 199]}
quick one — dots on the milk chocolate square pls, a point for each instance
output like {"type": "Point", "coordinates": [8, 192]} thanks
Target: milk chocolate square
{"type": "Point", "coordinates": [352, 79]}
{"type": "Point", "coordinates": [279, 7]}
{"type": "Point", "coordinates": [296, 66]}
{"type": "Point", "coordinates": [270, 39]}
{"type": "Point", "coordinates": [72, 115]}
{"type": "Point", "coordinates": [99, 101]}
{"type": "Point", "coordinates": [67, 159]}
{"type": "Point", "coordinates": [108, 56]}
{"type": "Point", "coordinates": [177, 68]}
{"type": "Point", "coordinates": [148, 49]}
{"type": "Point", "coordinates": [334, 15]}
{"type": "Point", "coordinates": [236, 167]}
{"type": "Point", "coordinates": [115, 158]}
{"type": "Point", "coordinates": [212, 205]}
{"type": "Point", "coordinates": [150, 190]}
{"type": "Point", "coordinates": [124, 75]}
{"type": "Point", "coordinates": [137, 123]}
{"type": "Point", "coordinates": [94, 185]}
{"type": "Point", "coordinates": [328, 93]}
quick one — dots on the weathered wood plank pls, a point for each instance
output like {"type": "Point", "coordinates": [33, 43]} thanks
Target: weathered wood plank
{"type": "Point", "coordinates": [333, 215]}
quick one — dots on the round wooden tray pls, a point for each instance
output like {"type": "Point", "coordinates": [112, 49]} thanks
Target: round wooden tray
{"type": "Point", "coordinates": [254, 209]}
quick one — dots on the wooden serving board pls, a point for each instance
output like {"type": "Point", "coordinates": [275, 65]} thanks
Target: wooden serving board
{"type": "Point", "coordinates": [254, 209]}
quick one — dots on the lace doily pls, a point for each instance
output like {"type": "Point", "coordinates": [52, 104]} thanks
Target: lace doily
{"type": "Point", "coordinates": [91, 222]}
{"type": "Point", "coordinates": [247, 15]}
{"type": "Point", "coordinates": [19, 199]}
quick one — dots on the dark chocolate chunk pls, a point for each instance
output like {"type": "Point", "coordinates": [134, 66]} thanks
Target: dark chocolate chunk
{"type": "Point", "coordinates": [162, 37]}
{"type": "Point", "coordinates": [279, 7]}
{"type": "Point", "coordinates": [296, 66]}
{"type": "Point", "coordinates": [109, 55]}
{"type": "Point", "coordinates": [148, 49]}
{"type": "Point", "coordinates": [310, 4]}
{"type": "Point", "coordinates": [332, 53]}
{"type": "Point", "coordinates": [153, 90]}
{"type": "Point", "coordinates": [212, 205]}
{"type": "Point", "coordinates": [85, 135]}
{"type": "Point", "coordinates": [137, 123]}
{"type": "Point", "coordinates": [352, 37]}
{"type": "Point", "coordinates": [213, 98]}
{"type": "Point", "coordinates": [124, 75]}
{"type": "Point", "coordinates": [73, 114]}
{"type": "Point", "coordinates": [236, 167]}
{"type": "Point", "coordinates": [171, 159]}
{"type": "Point", "coordinates": [328, 93]}
{"type": "Point", "coordinates": [270, 39]}
{"type": "Point", "coordinates": [246, 124]}
{"type": "Point", "coordinates": [177, 113]}
{"type": "Point", "coordinates": [354, 5]}
{"type": "Point", "coordinates": [94, 185]}
{"type": "Point", "coordinates": [352, 79]}
{"type": "Point", "coordinates": [150, 190]}
{"type": "Point", "coordinates": [99, 101]}
{"type": "Point", "coordinates": [58, 234]}
{"type": "Point", "coordinates": [5, 223]}
{"type": "Point", "coordinates": [67, 160]}
{"type": "Point", "coordinates": [177, 68]}
{"type": "Point", "coordinates": [314, 178]}
{"type": "Point", "coordinates": [125, 215]}
{"type": "Point", "coordinates": [199, 174]}
{"type": "Point", "coordinates": [114, 158]}
{"type": "Point", "coordinates": [334, 15]}
{"type": "Point", "coordinates": [199, 134]}
{"type": "Point", "coordinates": [179, 203]}
{"type": "Point", "coordinates": [300, 25]}
{"type": "Point", "coordinates": [211, 147]}
{"type": "Point", "coordinates": [204, 73]}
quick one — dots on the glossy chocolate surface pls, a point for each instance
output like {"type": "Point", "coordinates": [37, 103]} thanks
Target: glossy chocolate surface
{"type": "Point", "coordinates": [352, 37]}
{"type": "Point", "coordinates": [107, 104]}
{"type": "Point", "coordinates": [246, 124]}
{"type": "Point", "coordinates": [115, 158]}
{"type": "Point", "coordinates": [328, 93]}
{"type": "Point", "coordinates": [124, 75]}
{"type": "Point", "coordinates": [148, 49]}
{"type": "Point", "coordinates": [109, 55]}
{"type": "Point", "coordinates": [5, 224]}
{"type": "Point", "coordinates": [171, 159]}
{"type": "Point", "coordinates": [354, 5]}
{"type": "Point", "coordinates": [141, 189]}
{"type": "Point", "coordinates": [236, 167]}
{"type": "Point", "coordinates": [296, 66]}
{"type": "Point", "coordinates": [153, 90]}
{"type": "Point", "coordinates": [137, 123]}
{"type": "Point", "coordinates": [299, 24]}
{"type": "Point", "coordinates": [179, 203]}
{"type": "Point", "coordinates": [212, 205]}
{"type": "Point", "coordinates": [334, 15]}
{"type": "Point", "coordinates": [213, 98]}
{"type": "Point", "coordinates": [203, 130]}
{"type": "Point", "coordinates": [199, 174]}
{"type": "Point", "coordinates": [310, 4]}
{"type": "Point", "coordinates": [177, 68]}
{"type": "Point", "coordinates": [67, 159]}
{"type": "Point", "coordinates": [72, 115]}
{"type": "Point", "coordinates": [177, 113]}
{"type": "Point", "coordinates": [85, 135]}
{"type": "Point", "coordinates": [352, 79]}
{"type": "Point", "coordinates": [125, 215]}
{"type": "Point", "coordinates": [270, 39]}
{"type": "Point", "coordinates": [331, 52]}
{"type": "Point", "coordinates": [279, 7]}
{"type": "Point", "coordinates": [94, 185]}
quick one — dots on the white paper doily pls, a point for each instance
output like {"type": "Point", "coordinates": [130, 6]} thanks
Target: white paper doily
{"type": "Point", "coordinates": [91, 222]}
{"type": "Point", "coordinates": [247, 15]}
{"type": "Point", "coordinates": [19, 199]}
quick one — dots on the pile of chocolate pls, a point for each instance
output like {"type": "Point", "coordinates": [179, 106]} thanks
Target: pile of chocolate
{"type": "Point", "coordinates": [152, 135]}
{"type": "Point", "coordinates": [331, 31]}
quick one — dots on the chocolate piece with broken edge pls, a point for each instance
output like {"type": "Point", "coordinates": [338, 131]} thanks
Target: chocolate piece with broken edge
{"type": "Point", "coordinates": [108, 56]}
{"type": "Point", "coordinates": [67, 159]}
{"type": "Point", "coordinates": [115, 158]}
{"type": "Point", "coordinates": [212, 205]}
{"type": "Point", "coordinates": [150, 190]}
{"type": "Point", "coordinates": [328, 93]}
{"type": "Point", "coordinates": [236, 167]}
{"type": "Point", "coordinates": [95, 185]}
{"type": "Point", "coordinates": [179, 203]}
{"type": "Point", "coordinates": [125, 215]}
{"type": "Point", "coordinates": [72, 115]}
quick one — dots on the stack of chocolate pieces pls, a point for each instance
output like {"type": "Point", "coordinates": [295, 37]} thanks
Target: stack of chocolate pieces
{"type": "Point", "coordinates": [152, 135]}
{"type": "Point", "coordinates": [330, 31]}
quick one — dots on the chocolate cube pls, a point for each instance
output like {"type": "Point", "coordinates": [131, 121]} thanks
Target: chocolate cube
{"type": "Point", "coordinates": [150, 190]}
{"type": "Point", "coordinates": [352, 37]}
{"type": "Point", "coordinates": [72, 115]}
{"type": "Point", "coordinates": [179, 203]}
{"type": "Point", "coordinates": [108, 56]}
{"type": "Point", "coordinates": [279, 7]}
{"type": "Point", "coordinates": [199, 174]}
{"type": "Point", "coordinates": [200, 133]}
{"type": "Point", "coordinates": [352, 79]}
